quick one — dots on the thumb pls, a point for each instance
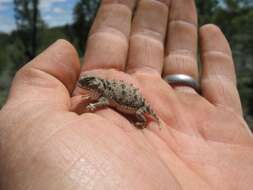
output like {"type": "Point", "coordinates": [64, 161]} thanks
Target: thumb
{"type": "Point", "coordinates": [48, 80]}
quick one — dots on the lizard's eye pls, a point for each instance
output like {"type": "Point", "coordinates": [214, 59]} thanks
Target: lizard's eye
{"type": "Point", "coordinates": [86, 80]}
{"type": "Point", "coordinates": [94, 83]}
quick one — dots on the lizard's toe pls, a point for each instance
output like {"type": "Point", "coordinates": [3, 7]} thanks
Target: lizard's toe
{"type": "Point", "coordinates": [140, 125]}
{"type": "Point", "coordinates": [91, 107]}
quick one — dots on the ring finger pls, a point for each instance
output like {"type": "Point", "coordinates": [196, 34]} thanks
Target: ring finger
{"type": "Point", "coordinates": [181, 48]}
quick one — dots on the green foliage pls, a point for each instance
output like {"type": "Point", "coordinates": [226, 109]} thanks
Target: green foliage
{"type": "Point", "coordinates": [3, 95]}
{"type": "Point", "coordinates": [3, 60]}
{"type": "Point", "coordinates": [3, 53]}
{"type": "Point", "coordinates": [49, 36]}
{"type": "Point", "coordinates": [206, 10]}
{"type": "Point", "coordinates": [28, 21]}
{"type": "Point", "coordinates": [83, 13]}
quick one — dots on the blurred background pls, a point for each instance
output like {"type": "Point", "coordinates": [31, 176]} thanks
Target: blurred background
{"type": "Point", "coordinates": [27, 27]}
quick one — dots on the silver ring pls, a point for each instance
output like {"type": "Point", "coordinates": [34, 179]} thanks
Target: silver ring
{"type": "Point", "coordinates": [182, 80]}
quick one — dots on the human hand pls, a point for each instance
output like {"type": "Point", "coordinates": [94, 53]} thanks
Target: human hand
{"type": "Point", "coordinates": [204, 143]}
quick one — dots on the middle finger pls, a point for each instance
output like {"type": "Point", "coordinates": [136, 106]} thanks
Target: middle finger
{"type": "Point", "coordinates": [146, 51]}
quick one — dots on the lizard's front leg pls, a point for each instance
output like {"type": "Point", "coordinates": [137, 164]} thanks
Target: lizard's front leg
{"type": "Point", "coordinates": [102, 102]}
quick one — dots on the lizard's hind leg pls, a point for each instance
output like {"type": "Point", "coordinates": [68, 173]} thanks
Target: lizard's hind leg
{"type": "Point", "coordinates": [142, 121]}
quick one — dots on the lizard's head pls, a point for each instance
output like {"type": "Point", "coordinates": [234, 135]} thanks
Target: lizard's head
{"type": "Point", "coordinates": [90, 82]}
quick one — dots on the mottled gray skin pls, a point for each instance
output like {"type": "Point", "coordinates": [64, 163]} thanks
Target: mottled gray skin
{"type": "Point", "coordinates": [119, 95]}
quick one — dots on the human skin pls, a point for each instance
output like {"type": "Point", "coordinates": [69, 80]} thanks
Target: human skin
{"type": "Point", "coordinates": [46, 142]}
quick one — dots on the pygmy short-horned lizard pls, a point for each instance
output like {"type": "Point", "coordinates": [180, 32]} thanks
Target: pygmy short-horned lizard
{"type": "Point", "coordinates": [119, 95]}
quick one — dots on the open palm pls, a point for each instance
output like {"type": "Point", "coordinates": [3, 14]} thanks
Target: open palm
{"type": "Point", "coordinates": [204, 142]}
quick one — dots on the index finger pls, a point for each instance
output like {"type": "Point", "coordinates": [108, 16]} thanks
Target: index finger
{"type": "Point", "coordinates": [107, 45]}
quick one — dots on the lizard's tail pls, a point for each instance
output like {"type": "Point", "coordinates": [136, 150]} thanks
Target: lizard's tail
{"type": "Point", "coordinates": [154, 116]}
{"type": "Point", "coordinates": [160, 124]}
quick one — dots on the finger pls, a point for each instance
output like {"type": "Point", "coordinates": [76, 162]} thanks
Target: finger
{"type": "Point", "coordinates": [146, 51]}
{"type": "Point", "coordinates": [107, 45]}
{"type": "Point", "coordinates": [182, 39]}
{"type": "Point", "coordinates": [218, 76]}
{"type": "Point", "coordinates": [49, 79]}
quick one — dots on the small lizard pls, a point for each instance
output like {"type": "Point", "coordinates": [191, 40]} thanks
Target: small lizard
{"type": "Point", "coordinates": [119, 95]}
